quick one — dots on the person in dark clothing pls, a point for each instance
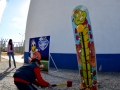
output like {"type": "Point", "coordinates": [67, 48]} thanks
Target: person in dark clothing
{"type": "Point", "coordinates": [29, 74]}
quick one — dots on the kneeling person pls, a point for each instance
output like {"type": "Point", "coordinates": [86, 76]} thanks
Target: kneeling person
{"type": "Point", "coordinates": [29, 74]}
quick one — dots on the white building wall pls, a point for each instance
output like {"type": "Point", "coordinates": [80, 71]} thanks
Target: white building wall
{"type": "Point", "coordinates": [53, 17]}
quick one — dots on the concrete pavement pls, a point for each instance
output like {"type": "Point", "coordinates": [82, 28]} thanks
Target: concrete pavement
{"type": "Point", "coordinates": [107, 80]}
{"type": "Point", "coordinates": [18, 58]}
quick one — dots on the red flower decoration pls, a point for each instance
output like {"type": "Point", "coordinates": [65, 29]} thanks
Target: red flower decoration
{"type": "Point", "coordinates": [91, 53]}
{"type": "Point", "coordinates": [80, 45]}
{"type": "Point", "coordinates": [89, 45]}
{"type": "Point", "coordinates": [81, 72]}
{"type": "Point", "coordinates": [94, 88]}
{"type": "Point", "coordinates": [75, 30]}
{"type": "Point", "coordinates": [85, 22]}
{"type": "Point", "coordinates": [91, 36]}
{"type": "Point", "coordinates": [77, 37]}
{"type": "Point", "coordinates": [89, 27]}
{"type": "Point", "coordinates": [94, 73]}
{"type": "Point", "coordinates": [84, 85]}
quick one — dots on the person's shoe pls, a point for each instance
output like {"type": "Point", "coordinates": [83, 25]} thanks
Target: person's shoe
{"type": "Point", "coordinates": [15, 66]}
{"type": "Point", "coordinates": [9, 66]}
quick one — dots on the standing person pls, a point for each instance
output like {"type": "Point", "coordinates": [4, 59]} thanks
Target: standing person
{"type": "Point", "coordinates": [29, 74]}
{"type": "Point", "coordinates": [10, 52]}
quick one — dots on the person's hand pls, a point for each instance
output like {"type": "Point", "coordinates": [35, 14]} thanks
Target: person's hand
{"type": "Point", "coordinates": [7, 53]}
{"type": "Point", "coordinates": [46, 87]}
{"type": "Point", "coordinates": [49, 86]}
{"type": "Point", "coordinates": [29, 61]}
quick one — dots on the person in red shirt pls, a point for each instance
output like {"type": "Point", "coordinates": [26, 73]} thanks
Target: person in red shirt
{"type": "Point", "coordinates": [29, 74]}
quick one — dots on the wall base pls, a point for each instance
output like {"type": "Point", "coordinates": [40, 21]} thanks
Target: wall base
{"type": "Point", "coordinates": [109, 62]}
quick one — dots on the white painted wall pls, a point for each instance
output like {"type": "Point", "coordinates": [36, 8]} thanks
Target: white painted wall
{"type": "Point", "coordinates": [53, 17]}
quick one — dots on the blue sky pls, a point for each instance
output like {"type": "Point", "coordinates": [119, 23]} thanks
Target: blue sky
{"type": "Point", "coordinates": [14, 19]}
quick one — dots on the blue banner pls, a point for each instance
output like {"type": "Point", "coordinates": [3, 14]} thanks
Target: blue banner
{"type": "Point", "coordinates": [39, 48]}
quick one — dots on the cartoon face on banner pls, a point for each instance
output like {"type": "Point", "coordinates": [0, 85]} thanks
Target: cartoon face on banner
{"type": "Point", "coordinates": [39, 49]}
{"type": "Point", "coordinates": [43, 43]}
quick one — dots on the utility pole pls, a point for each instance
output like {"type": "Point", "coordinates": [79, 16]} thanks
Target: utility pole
{"type": "Point", "coordinates": [22, 42]}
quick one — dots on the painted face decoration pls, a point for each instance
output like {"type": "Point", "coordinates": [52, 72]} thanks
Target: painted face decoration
{"type": "Point", "coordinates": [33, 46]}
{"type": "Point", "coordinates": [79, 16]}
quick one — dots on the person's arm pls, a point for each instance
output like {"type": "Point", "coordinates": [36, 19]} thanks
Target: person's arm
{"type": "Point", "coordinates": [36, 83]}
{"type": "Point", "coordinates": [39, 78]}
{"type": "Point", "coordinates": [7, 49]}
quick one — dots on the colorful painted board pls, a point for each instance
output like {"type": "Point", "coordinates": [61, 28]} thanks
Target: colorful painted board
{"type": "Point", "coordinates": [39, 48]}
{"type": "Point", "coordinates": [85, 48]}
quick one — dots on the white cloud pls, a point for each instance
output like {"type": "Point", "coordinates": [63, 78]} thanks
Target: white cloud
{"type": "Point", "coordinates": [17, 19]}
{"type": "Point", "coordinates": [2, 7]}
{"type": "Point", "coordinates": [16, 25]}
{"type": "Point", "coordinates": [20, 22]}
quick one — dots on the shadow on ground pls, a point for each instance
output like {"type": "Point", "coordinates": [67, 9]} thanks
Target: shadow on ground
{"type": "Point", "coordinates": [5, 73]}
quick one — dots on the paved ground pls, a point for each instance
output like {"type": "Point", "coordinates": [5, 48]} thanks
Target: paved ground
{"type": "Point", "coordinates": [107, 80]}
{"type": "Point", "coordinates": [18, 58]}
